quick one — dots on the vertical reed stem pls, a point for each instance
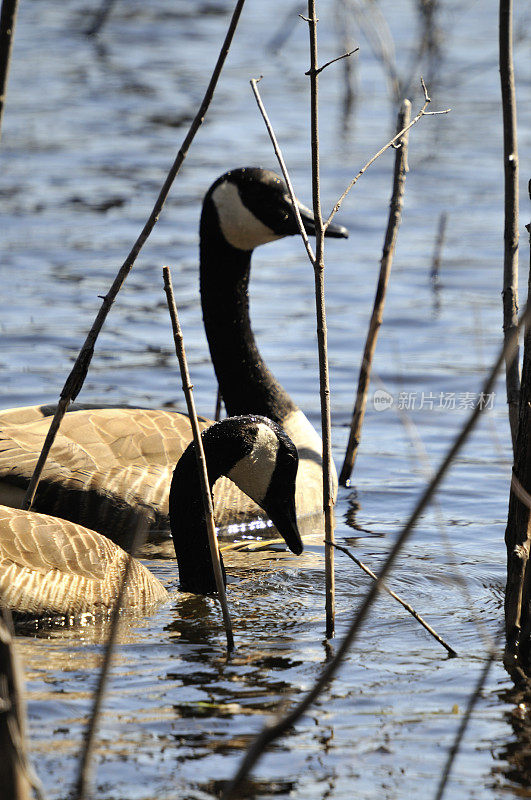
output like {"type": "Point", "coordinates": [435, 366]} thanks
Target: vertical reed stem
{"type": "Point", "coordinates": [510, 236]}
{"type": "Point", "coordinates": [328, 501]}
{"type": "Point", "coordinates": [8, 16]}
{"type": "Point", "coordinates": [14, 783]}
{"type": "Point", "coordinates": [518, 531]}
{"type": "Point", "coordinates": [200, 455]}
{"type": "Point", "coordinates": [395, 215]}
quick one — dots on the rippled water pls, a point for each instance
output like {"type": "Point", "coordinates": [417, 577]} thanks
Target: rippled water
{"type": "Point", "coordinates": [91, 128]}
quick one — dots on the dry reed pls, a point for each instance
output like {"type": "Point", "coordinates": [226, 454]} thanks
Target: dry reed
{"type": "Point", "coordinates": [200, 455]}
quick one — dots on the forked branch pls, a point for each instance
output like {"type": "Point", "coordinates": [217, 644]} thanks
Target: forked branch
{"type": "Point", "coordinates": [422, 113]}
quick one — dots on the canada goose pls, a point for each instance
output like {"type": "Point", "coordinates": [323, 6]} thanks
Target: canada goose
{"type": "Point", "coordinates": [109, 464]}
{"type": "Point", "coordinates": [52, 567]}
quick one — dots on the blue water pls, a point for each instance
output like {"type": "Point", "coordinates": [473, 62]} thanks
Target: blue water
{"type": "Point", "coordinates": [90, 130]}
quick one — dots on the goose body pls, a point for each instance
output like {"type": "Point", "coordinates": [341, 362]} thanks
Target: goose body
{"type": "Point", "coordinates": [50, 567]}
{"type": "Point", "coordinates": [109, 465]}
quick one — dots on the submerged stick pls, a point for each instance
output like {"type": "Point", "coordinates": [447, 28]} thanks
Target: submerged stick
{"type": "Point", "coordinates": [437, 251]}
{"type": "Point", "coordinates": [200, 455]}
{"type": "Point", "coordinates": [84, 775]}
{"type": "Point", "coordinates": [272, 732]}
{"type": "Point", "coordinates": [396, 597]}
{"type": "Point", "coordinates": [8, 16]}
{"type": "Point", "coordinates": [395, 215]}
{"type": "Point", "coordinates": [79, 371]}
{"type": "Point", "coordinates": [510, 234]}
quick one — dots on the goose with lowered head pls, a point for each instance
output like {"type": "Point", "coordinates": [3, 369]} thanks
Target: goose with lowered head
{"type": "Point", "coordinates": [110, 464]}
{"type": "Point", "coordinates": [51, 567]}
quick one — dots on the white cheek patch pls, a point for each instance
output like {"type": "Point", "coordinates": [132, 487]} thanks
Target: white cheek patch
{"type": "Point", "coordinates": [253, 472]}
{"type": "Point", "coordinates": [239, 226]}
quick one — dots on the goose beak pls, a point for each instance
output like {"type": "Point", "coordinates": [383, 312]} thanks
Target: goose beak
{"type": "Point", "coordinates": [333, 231]}
{"type": "Point", "coordinates": [282, 515]}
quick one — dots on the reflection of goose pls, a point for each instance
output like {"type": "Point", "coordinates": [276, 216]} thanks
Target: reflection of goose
{"type": "Point", "coordinates": [52, 567]}
{"type": "Point", "coordinates": [107, 463]}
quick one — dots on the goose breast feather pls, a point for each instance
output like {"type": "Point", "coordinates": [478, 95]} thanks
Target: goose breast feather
{"type": "Point", "coordinates": [53, 567]}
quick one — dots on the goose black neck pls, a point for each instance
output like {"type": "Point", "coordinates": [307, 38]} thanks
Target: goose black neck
{"type": "Point", "coordinates": [188, 523]}
{"type": "Point", "coordinates": [246, 384]}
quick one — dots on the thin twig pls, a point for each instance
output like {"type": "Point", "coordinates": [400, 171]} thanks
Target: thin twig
{"type": "Point", "coordinates": [510, 235]}
{"type": "Point", "coordinates": [84, 775]}
{"type": "Point", "coordinates": [79, 371]}
{"type": "Point", "coordinates": [200, 455]}
{"type": "Point", "coordinates": [422, 113]}
{"type": "Point", "coordinates": [8, 16]}
{"type": "Point", "coordinates": [395, 215]}
{"type": "Point", "coordinates": [396, 597]}
{"type": "Point", "coordinates": [322, 334]}
{"type": "Point", "coordinates": [272, 732]}
{"type": "Point", "coordinates": [254, 85]}
{"type": "Point", "coordinates": [333, 61]}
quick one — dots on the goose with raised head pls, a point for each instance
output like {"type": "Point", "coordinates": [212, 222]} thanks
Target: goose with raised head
{"type": "Point", "coordinates": [51, 567]}
{"type": "Point", "coordinates": [110, 464]}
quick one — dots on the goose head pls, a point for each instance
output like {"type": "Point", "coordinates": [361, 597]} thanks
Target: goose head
{"type": "Point", "coordinates": [243, 209]}
{"type": "Point", "coordinates": [253, 207]}
{"type": "Point", "coordinates": [261, 459]}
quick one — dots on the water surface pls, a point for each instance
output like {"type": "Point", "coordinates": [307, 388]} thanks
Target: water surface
{"type": "Point", "coordinates": [90, 129]}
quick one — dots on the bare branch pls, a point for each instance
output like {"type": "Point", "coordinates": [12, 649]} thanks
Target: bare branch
{"type": "Point", "coordinates": [79, 371]}
{"type": "Point", "coordinates": [322, 333]}
{"type": "Point", "coordinates": [389, 144]}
